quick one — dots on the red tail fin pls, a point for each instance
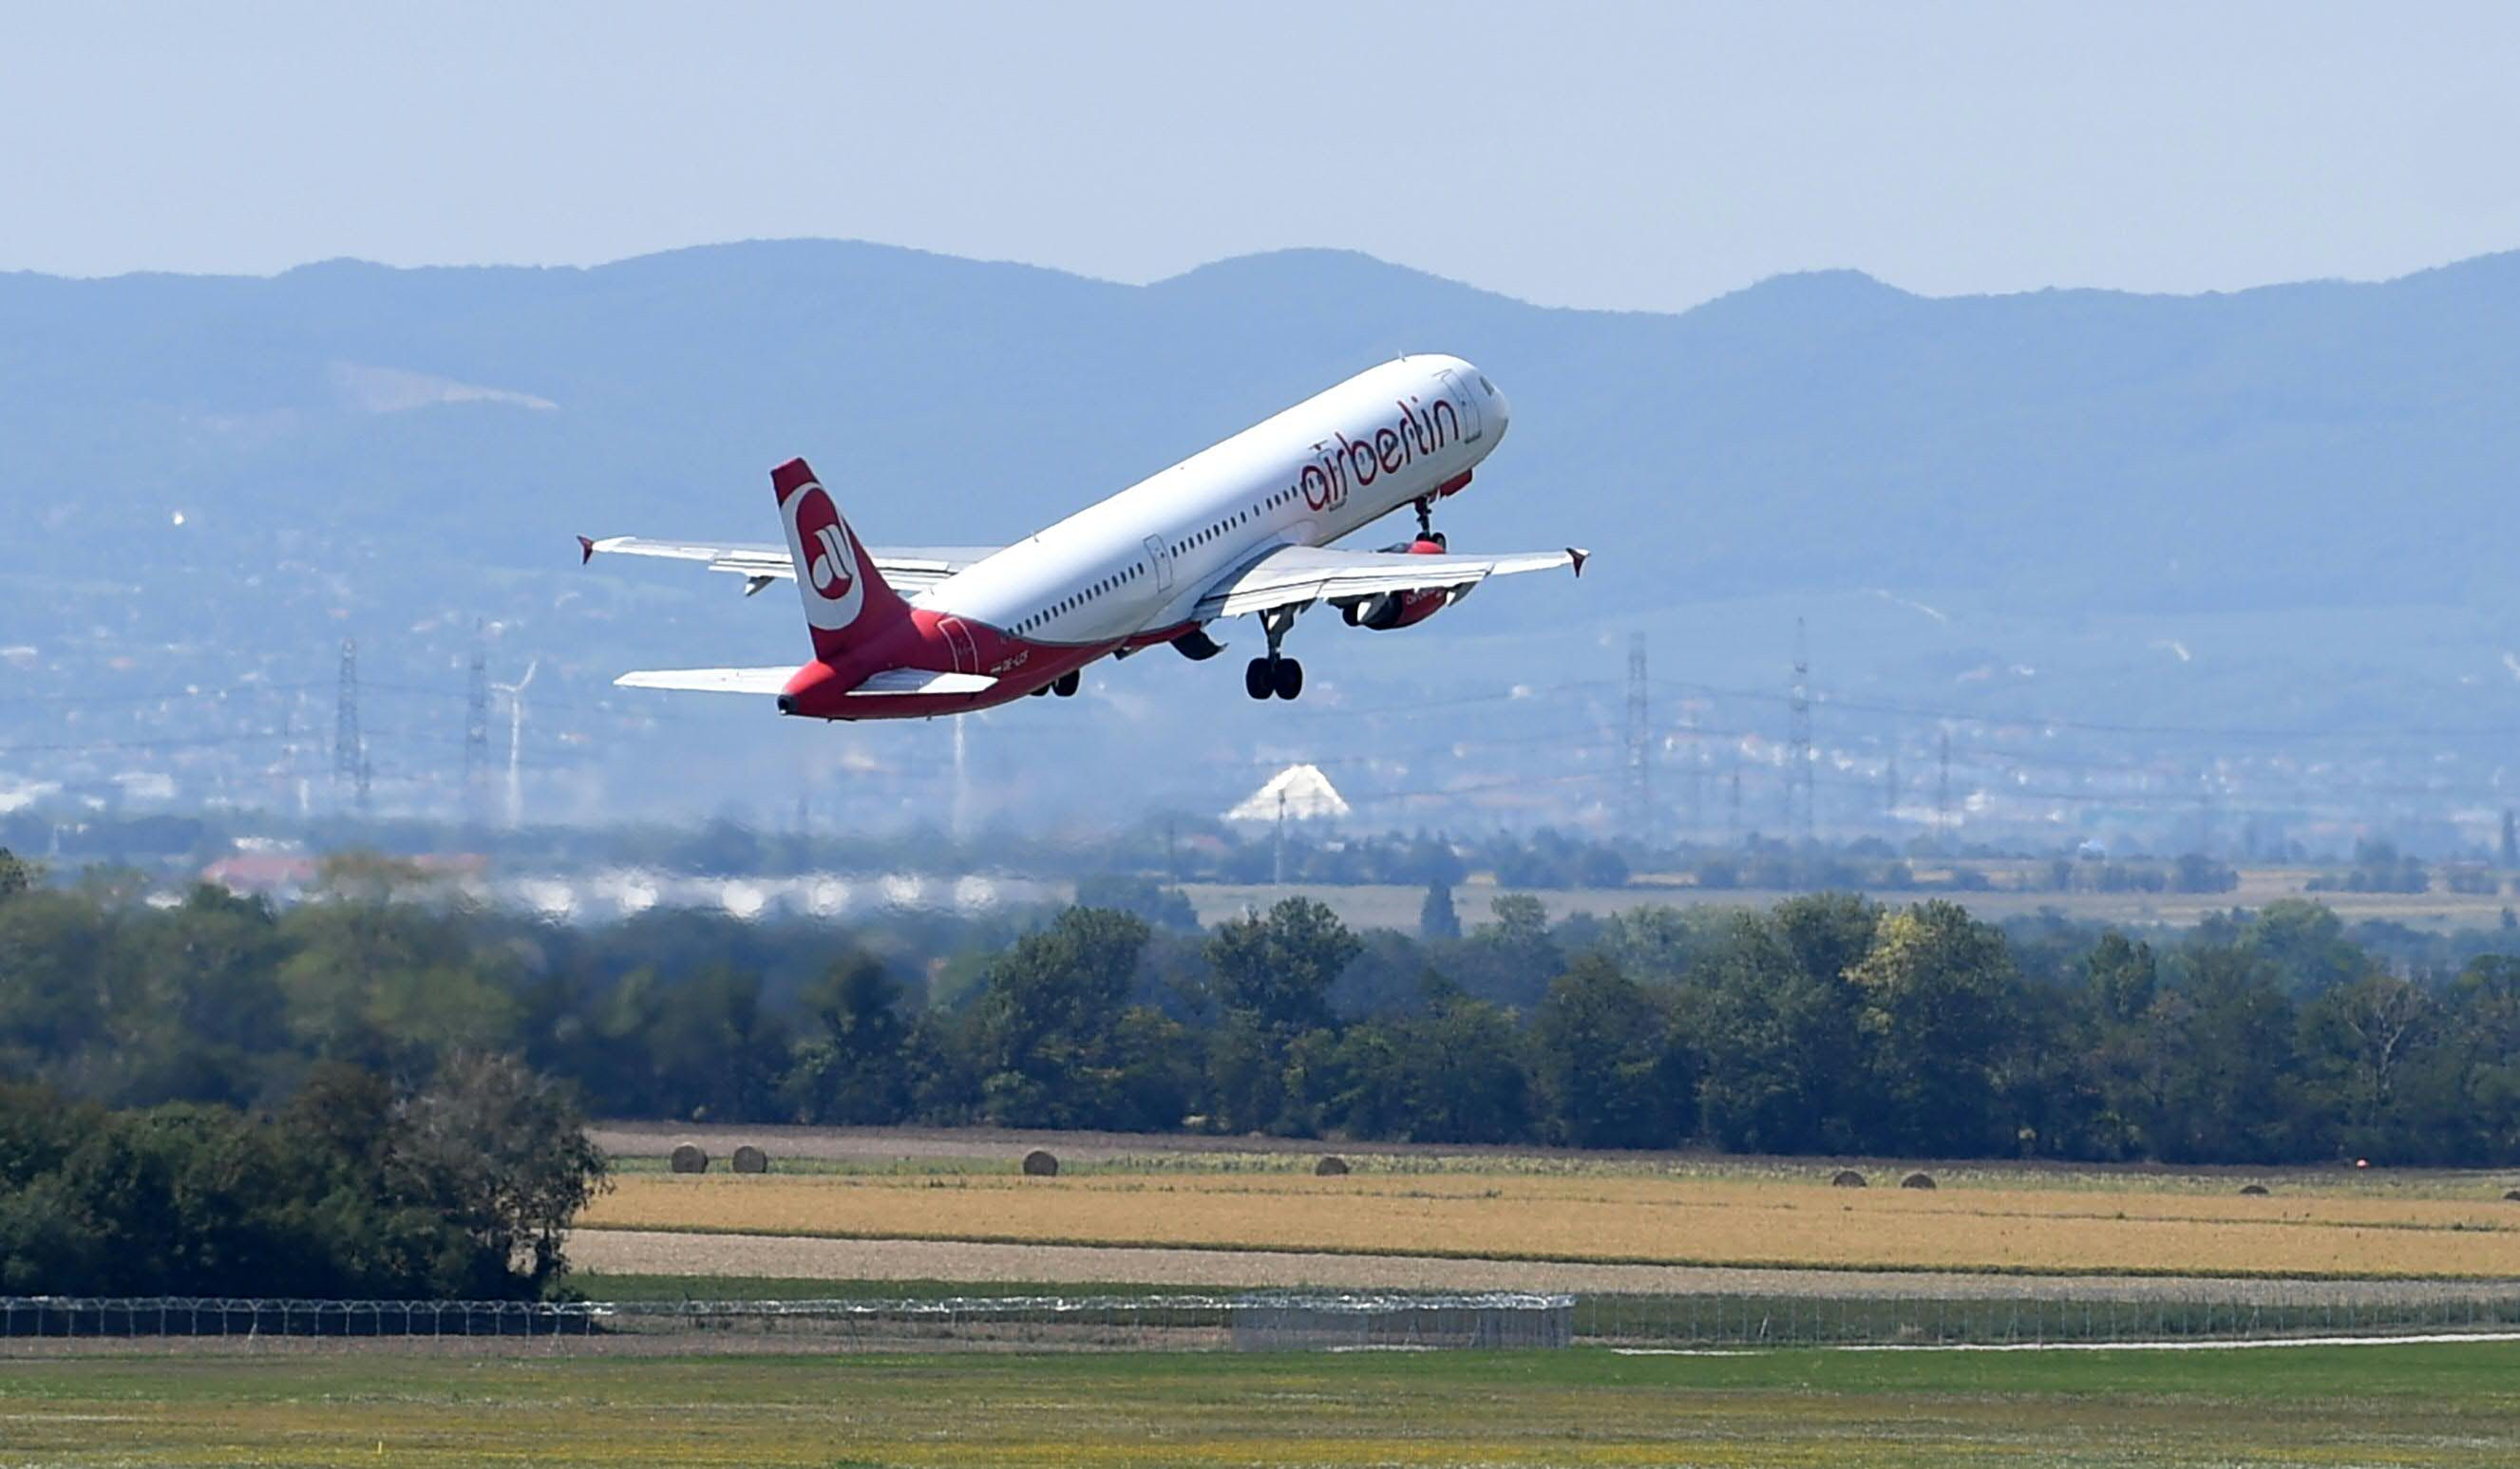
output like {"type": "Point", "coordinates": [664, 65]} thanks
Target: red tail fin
{"type": "Point", "coordinates": [846, 600]}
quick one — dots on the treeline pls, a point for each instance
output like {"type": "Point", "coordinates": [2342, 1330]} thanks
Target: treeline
{"type": "Point", "coordinates": [1827, 1023]}
{"type": "Point", "coordinates": [1176, 849]}
{"type": "Point", "coordinates": [462, 1189]}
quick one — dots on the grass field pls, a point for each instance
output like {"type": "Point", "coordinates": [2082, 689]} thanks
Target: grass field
{"type": "Point", "coordinates": [1611, 1217]}
{"type": "Point", "coordinates": [2428, 1406]}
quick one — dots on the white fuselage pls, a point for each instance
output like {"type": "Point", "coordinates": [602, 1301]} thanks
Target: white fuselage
{"type": "Point", "coordinates": [1140, 560]}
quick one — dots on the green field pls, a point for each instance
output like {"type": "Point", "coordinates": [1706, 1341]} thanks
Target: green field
{"type": "Point", "coordinates": [2425, 1404]}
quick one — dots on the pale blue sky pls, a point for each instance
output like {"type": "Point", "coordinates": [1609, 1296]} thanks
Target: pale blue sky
{"type": "Point", "coordinates": [1629, 155]}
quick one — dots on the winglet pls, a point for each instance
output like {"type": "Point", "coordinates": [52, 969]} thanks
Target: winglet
{"type": "Point", "coordinates": [585, 550]}
{"type": "Point", "coordinates": [1579, 555]}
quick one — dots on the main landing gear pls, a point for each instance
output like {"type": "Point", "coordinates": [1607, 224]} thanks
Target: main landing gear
{"type": "Point", "coordinates": [1275, 676]}
{"type": "Point", "coordinates": [1064, 686]}
{"type": "Point", "coordinates": [1280, 678]}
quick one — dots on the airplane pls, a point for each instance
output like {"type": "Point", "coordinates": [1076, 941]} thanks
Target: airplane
{"type": "Point", "coordinates": [1243, 528]}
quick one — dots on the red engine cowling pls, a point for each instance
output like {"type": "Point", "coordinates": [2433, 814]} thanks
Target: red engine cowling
{"type": "Point", "coordinates": [1386, 610]}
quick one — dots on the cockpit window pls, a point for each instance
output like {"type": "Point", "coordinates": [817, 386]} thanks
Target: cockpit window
{"type": "Point", "coordinates": [1485, 384]}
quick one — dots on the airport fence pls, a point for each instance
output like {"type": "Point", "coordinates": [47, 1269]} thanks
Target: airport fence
{"type": "Point", "coordinates": [2033, 1314]}
{"type": "Point", "coordinates": [1995, 1313]}
{"type": "Point", "coordinates": [1271, 1322]}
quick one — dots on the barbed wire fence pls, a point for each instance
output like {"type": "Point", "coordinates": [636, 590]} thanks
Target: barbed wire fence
{"type": "Point", "coordinates": [1274, 1321]}
{"type": "Point", "coordinates": [2135, 1312]}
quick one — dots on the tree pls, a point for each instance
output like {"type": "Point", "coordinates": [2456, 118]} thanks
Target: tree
{"type": "Point", "coordinates": [2306, 944]}
{"type": "Point", "coordinates": [715, 1047]}
{"type": "Point", "coordinates": [1159, 905]}
{"type": "Point", "coordinates": [356, 1190]}
{"type": "Point", "coordinates": [854, 1066]}
{"type": "Point", "coordinates": [1436, 917]}
{"type": "Point", "coordinates": [1044, 1027]}
{"type": "Point", "coordinates": [2121, 976]}
{"type": "Point", "coordinates": [1460, 1078]}
{"type": "Point", "coordinates": [1275, 972]}
{"type": "Point", "coordinates": [2370, 1050]}
{"type": "Point", "coordinates": [1512, 959]}
{"type": "Point", "coordinates": [1940, 1010]}
{"type": "Point", "coordinates": [2196, 872]}
{"type": "Point", "coordinates": [16, 877]}
{"type": "Point", "coordinates": [2484, 1001]}
{"type": "Point", "coordinates": [2225, 1035]}
{"type": "Point", "coordinates": [1783, 1059]}
{"type": "Point", "coordinates": [502, 1155]}
{"type": "Point", "coordinates": [1660, 944]}
{"type": "Point", "coordinates": [1605, 1071]}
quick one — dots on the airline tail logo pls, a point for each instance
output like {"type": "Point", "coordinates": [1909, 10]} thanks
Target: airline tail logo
{"type": "Point", "coordinates": [827, 558]}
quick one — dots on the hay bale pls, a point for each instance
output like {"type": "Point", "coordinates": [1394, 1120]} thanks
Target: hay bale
{"type": "Point", "coordinates": [1039, 1164]}
{"type": "Point", "coordinates": [1917, 1181]}
{"type": "Point", "coordinates": [2512, 1196]}
{"type": "Point", "coordinates": [750, 1160]}
{"type": "Point", "coordinates": [2254, 1190]}
{"type": "Point", "coordinates": [1847, 1178]}
{"type": "Point", "coordinates": [688, 1158]}
{"type": "Point", "coordinates": [1332, 1166]}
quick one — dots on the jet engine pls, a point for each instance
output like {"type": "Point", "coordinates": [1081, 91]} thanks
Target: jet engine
{"type": "Point", "coordinates": [1385, 610]}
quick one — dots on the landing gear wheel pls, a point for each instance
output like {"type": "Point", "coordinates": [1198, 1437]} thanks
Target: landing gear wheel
{"type": "Point", "coordinates": [1258, 680]}
{"type": "Point", "coordinates": [1037, 693]}
{"type": "Point", "coordinates": [1288, 678]}
{"type": "Point", "coordinates": [1064, 686]}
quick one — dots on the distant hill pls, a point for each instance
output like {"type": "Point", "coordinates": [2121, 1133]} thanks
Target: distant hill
{"type": "Point", "coordinates": [2308, 489]}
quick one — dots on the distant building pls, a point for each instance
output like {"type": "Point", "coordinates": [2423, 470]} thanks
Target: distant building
{"type": "Point", "coordinates": [282, 875]}
{"type": "Point", "coordinates": [1299, 792]}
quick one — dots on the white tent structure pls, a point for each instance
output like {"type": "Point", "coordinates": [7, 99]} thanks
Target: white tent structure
{"type": "Point", "coordinates": [1297, 793]}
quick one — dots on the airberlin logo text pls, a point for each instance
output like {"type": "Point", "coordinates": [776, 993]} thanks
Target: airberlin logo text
{"type": "Point", "coordinates": [1344, 463]}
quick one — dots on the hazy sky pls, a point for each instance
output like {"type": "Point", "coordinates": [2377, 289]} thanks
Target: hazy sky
{"type": "Point", "coordinates": [1597, 155]}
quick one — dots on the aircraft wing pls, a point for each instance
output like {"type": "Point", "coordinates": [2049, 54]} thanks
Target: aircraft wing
{"type": "Point", "coordinates": [909, 570]}
{"type": "Point", "coordinates": [1295, 576]}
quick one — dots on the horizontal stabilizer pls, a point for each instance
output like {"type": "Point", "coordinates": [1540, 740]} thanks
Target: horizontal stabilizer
{"type": "Point", "coordinates": [920, 681]}
{"type": "Point", "coordinates": [710, 680]}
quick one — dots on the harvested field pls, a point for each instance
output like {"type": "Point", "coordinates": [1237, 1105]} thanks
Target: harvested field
{"type": "Point", "coordinates": [1606, 1219]}
{"type": "Point", "coordinates": [642, 1146]}
{"type": "Point", "coordinates": [614, 1253]}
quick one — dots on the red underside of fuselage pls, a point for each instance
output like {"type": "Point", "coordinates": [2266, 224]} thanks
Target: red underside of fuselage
{"type": "Point", "coordinates": [943, 642]}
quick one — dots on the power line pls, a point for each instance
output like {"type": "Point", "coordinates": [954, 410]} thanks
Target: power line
{"type": "Point", "coordinates": [1870, 707]}
{"type": "Point", "coordinates": [1798, 739]}
{"type": "Point", "coordinates": [1636, 789]}
{"type": "Point", "coordinates": [1942, 794]}
{"type": "Point", "coordinates": [349, 748]}
{"type": "Point", "coordinates": [477, 732]}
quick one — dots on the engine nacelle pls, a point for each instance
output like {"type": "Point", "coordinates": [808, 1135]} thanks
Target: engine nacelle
{"type": "Point", "coordinates": [1385, 610]}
